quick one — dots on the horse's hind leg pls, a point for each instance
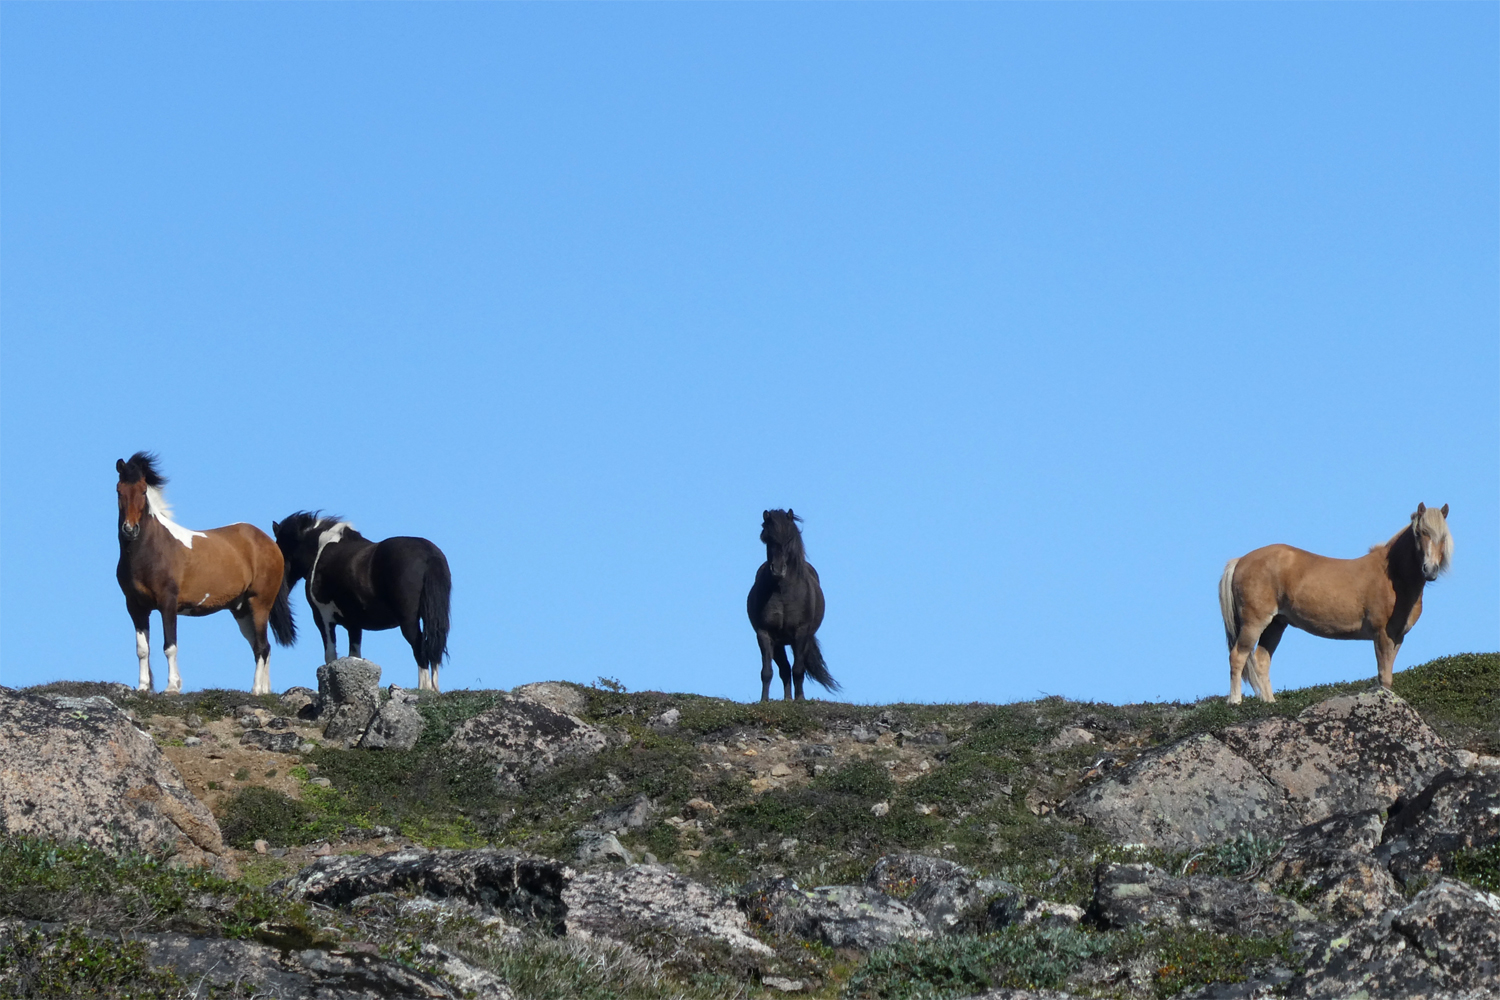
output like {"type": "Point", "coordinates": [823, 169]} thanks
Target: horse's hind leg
{"type": "Point", "coordinates": [426, 674]}
{"type": "Point", "coordinates": [1242, 650]}
{"type": "Point", "coordinates": [785, 666]}
{"type": "Point", "coordinates": [252, 623]}
{"type": "Point", "coordinates": [1260, 666]}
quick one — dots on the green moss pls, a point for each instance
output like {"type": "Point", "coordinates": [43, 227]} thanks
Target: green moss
{"type": "Point", "coordinates": [1479, 866]}
{"type": "Point", "coordinates": [76, 964]}
{"type": "Point", "coordinates": [1017, 957]}
{"type": "Point", "coordinates": [75, 883]}
{"type": "Point", "coordinates": [263, 814]}
{"type": "Point", "coordinates": [1187, 959]}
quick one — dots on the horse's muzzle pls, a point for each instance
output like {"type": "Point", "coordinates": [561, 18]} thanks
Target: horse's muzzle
{"type": "Point", "coordinates": [130, 532]}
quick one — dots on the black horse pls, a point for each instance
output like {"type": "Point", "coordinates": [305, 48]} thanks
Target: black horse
{"type": "Point", "coordinates": [786, 608]}
{"type": "Point", "coordinates": [360, 584]}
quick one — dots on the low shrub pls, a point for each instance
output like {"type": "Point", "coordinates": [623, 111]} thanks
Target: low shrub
{"type": "Point", "coordinates": [1478, 866]}
{"type": "Point", "coordinates": [1017, 957]}
{"type": "Point", "coordinates": [77, 964]}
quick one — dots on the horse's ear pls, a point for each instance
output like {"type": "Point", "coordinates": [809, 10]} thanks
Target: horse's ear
{"type": "Point", "coordinates": [1421, 509]}
{"type": "Point", "coordinates": [790, 512]}
{"type": "Point", "coordinates": [765, 515]}
{"type": "Point", "coordinates": [120, 466]}
{"type": "Point", "coordinates": [275, 527]}
{"type": "Point", "coordinates": [1445, 512]}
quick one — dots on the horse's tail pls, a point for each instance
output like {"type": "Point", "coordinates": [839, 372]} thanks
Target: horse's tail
{"type": "Point", "coordinates": [283, 625]}
{"type": "Point", "coordinates": [1226, 603]}
{"type": "Point", "coordinates": [811, 658]}
{"type": "Point", "coordinates": [437, 584]}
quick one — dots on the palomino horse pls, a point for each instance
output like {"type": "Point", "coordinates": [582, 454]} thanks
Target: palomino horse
{"type": "Point", "coordinates": [360, 584]}
{"type": "Point", "coordinates": [786, 608]}
{"type": "Point", "coordinates": [1377, 596]}
{"type": "Point", "coordinates": [177, 571]}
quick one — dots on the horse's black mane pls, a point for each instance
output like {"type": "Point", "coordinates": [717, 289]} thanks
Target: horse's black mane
{"type": "Point", "coordinates": [142, 465]}
{"type": "Point", "coordinates": [304, 520]}
{"type": "Point", "coordinates": [780, 526]}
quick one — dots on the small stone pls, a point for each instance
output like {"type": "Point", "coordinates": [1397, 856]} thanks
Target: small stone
{"type": "Point", "coordinates": [193, 721]}
{"type": "Point", "coordinates": [323, 851]}
{"type": "Point", "coordinates": [780, 771]}
{"type": "Point", "coordinates": [1071, 736]}
{"type": "Point", "coordinates": [667, 719]}
{"type": "Point", "coordinates": [783, 985]}
{"type": "Point", "coordinates": [307, 747]}
{"type": "Point", "coordinates": [817, 750]}
{"type": "Point", "coordinates": [863, 735]}
{"type": "Point", "coordinates": [191, 741]}
{"type": "Point", "coordinates": [321, 782]}
{"type": "Point", "coordinates": [699, 808]}
{"type": "Point", "coordinates": [923, 809]}
{"type": "Point", "coordinates": [751, 753]}
{"type": "Point", "coordinates": [261, 847]}
{"type": "Point", "coordinates": [880, 809]}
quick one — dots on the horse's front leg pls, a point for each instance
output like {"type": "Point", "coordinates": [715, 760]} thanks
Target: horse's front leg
{"type": "Point", "coordinates": [169, 643]}
{"type": "Point", "coordinates": [1386, 649]}
{"type": "Point", "coordinates": [786, 672]}
{"type": "Point", "coordinates": [764, 639]}
{"type": "Point", "coordinates": [142, 622]}
{"type": "Point", "coordinates": [325, 629]}
{"type": "Point", "coordinates": [356, 637]}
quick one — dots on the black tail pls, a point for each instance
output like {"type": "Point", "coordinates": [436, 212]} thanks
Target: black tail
{"type": "Point", "coordinates": [282, 622]}
{"type": "Point", "coordinates": [437, 584]}
{"type": "Point", "coordinates": [811, 659]}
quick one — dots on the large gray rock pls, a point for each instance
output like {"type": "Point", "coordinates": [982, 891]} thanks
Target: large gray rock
{"type": "Point", "coordinates": [496, 881]}
{"type": "Point", "coordinates": [1184, 796]}
{"type": "Point", "coordinates": [349, 690]}
{"type": "Point", "coordinates": [1343, 755]}
{"type": "Point", "coordinates": [1332, 865]}
{"type": "Point", "coordinates": [1443, 945]}
{"type": "Point", "coordinates": [265, 739]}
{"type": "Point", "coordinates": [601, 847]}
{"type": "Point", "coordinates": [1127, 895]}
{"type": "Point", "coordinates": [567, 699]}
{"type": "Point", "coordinates": [524, 737]}
{"type": "Point", "coordinates": [630, 815]}
{"type": "Point", "coordinates": [951, 897]}
{"type": "Point", "coordinates": [1455, 811]}
{"type": "Point", "coordinates": [840, 916]}
{"type": "Point", "coordinates": [608, 904]}
{"type": "Point", "coordinates": [397, 724]}
{"type": "Point", "coordinates": [78, 770]}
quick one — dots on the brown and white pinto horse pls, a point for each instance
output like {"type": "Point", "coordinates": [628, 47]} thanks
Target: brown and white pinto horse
{"type": "Point", "coordinates": [1377, 596]}
{"type": "Point", "coordinates": [177, 571]}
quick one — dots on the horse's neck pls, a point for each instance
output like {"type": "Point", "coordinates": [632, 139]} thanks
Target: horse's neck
{"type": "Point", "coordinates": [1403, 561]}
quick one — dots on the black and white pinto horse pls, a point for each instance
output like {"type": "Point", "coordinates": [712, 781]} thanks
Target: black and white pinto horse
{"type": "Point", "coordinates": [786, 608]}
{"type": "Point", "coordinates": [359, 584]}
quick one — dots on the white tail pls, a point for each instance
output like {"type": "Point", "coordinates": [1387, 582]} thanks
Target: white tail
{"type": "Point", "coordinates": [1226, 602]}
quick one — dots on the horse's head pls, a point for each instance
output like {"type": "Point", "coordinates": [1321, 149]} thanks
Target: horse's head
{"type": "Point", "coordinates": [1429, 528]}
{"type": "Point", "coordinates": [783, 539]}
{"type": "Point", "coordinates": [138, 476]}
{"type": "Point", "coordinates": [297, 538]}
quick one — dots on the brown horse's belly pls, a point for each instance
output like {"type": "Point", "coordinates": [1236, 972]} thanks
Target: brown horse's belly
{"type": "Point", "coordinates": [1324, 629]}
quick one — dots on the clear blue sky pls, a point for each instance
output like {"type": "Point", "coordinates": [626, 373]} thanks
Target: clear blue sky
{"type": "Point", "coordinates": [1037, 313]}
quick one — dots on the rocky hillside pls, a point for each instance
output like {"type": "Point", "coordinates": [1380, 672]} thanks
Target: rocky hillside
{"type": "Point", "coordinates": [560, 841]}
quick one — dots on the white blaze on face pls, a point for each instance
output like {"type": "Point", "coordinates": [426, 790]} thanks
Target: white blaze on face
{"type": "Point", "coordinates": [162, 511]}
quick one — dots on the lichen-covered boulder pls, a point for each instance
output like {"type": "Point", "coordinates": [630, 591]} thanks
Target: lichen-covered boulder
{"type": "Point", "coordinates": [397, 724]}
{"type": "Point", "coordinates": [1126, 895]}
{"type": "Point", "coordinates": [524, 737]}
{"type": "Point", "coordinates": [1332, 866]}
{"type": "Point", "coordinates": [1453, 812]}
{"type": "Point", "coordinates": [1343, 755]}
{"type": "Point", "coordinates": [840, 916]}
{"type": "Point", "coordinates": [496, 881]}
{"type": "Point", "coordinates": [77, 769]}
{"type": "Point", "coordinates": [349, 691]}
{"type": "Point", "coordinates": [1443, 945]}
{"type": "Point", "coordinates": [613, 904]}
{"type": "Point", "coordinates": [950, 896]}
{"type": "Point", "coordinates": [1183, 796]}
